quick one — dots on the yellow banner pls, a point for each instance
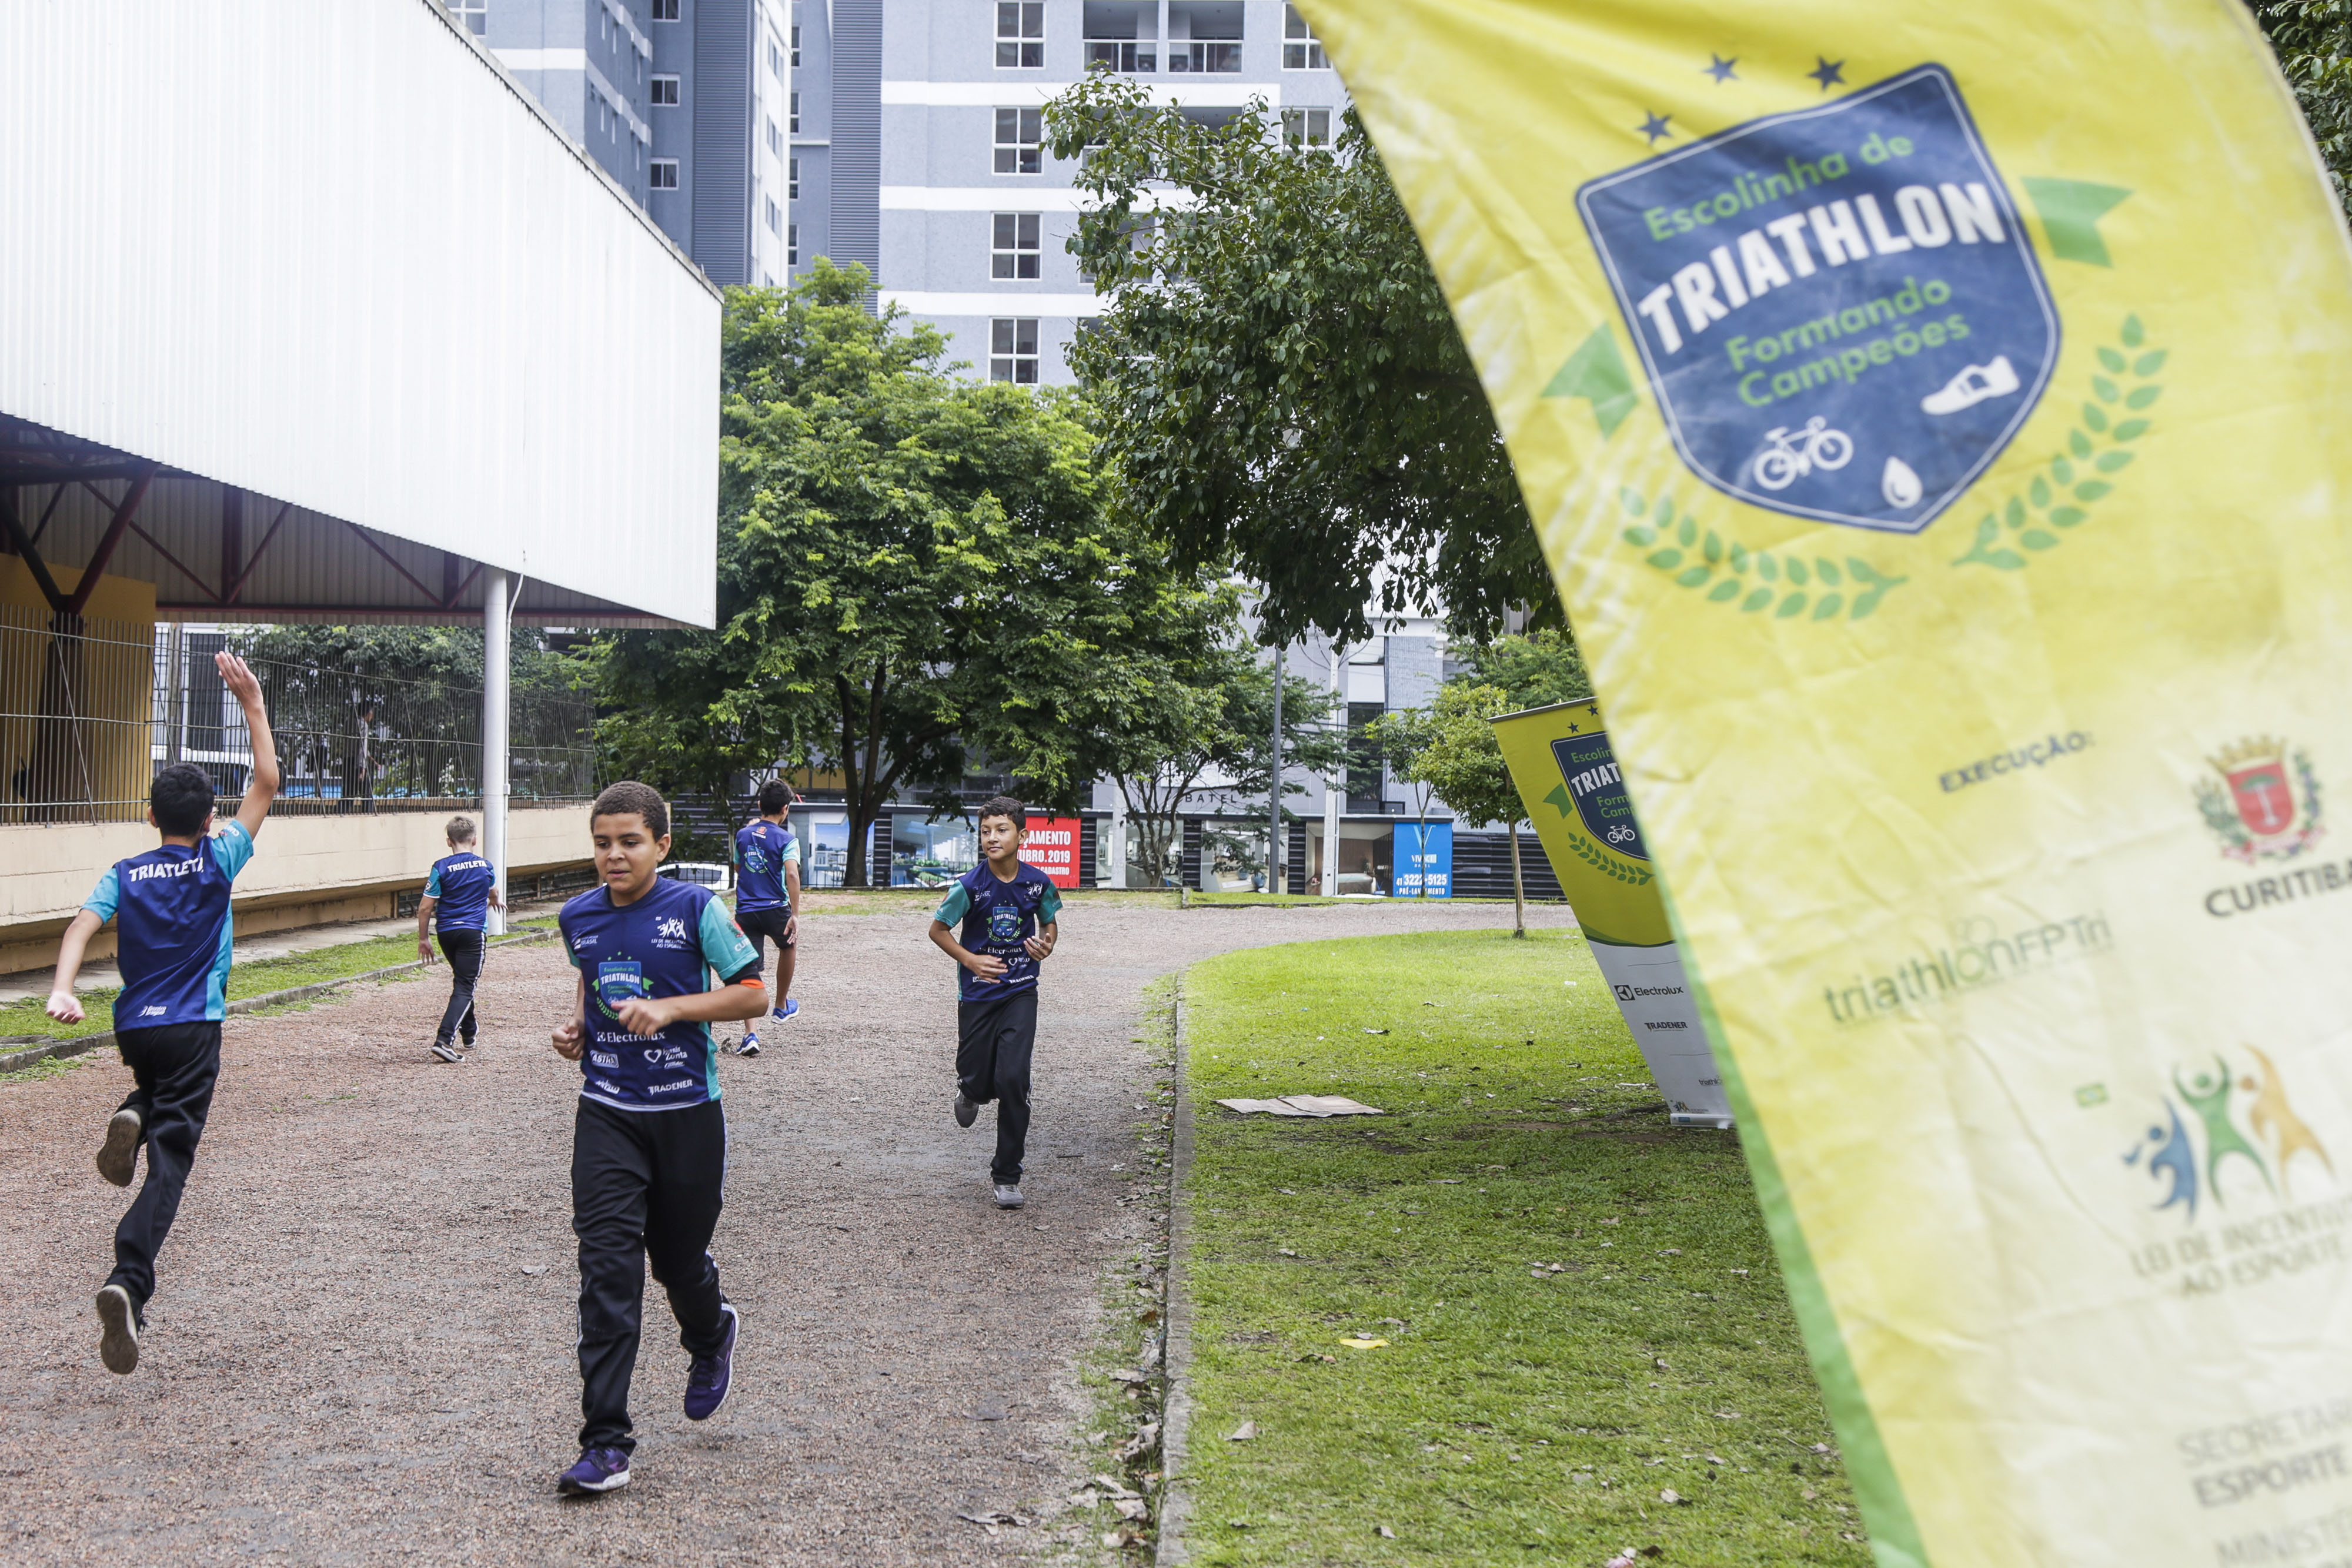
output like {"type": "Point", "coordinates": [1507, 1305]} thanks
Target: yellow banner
{"type": "Point", "coordinates": [1931, 414]}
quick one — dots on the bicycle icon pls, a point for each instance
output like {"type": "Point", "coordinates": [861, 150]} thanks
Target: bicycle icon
{"type": "Point", "coordinates": [1619, 835]}
{"type": "Point", "coordinates": [1790, 459]}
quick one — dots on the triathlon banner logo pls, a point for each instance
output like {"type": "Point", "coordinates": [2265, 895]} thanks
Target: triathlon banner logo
{"type": "Point", "coordinates": [1591, 783]}
{"type": "Point", "coordinates": [1841, 315]}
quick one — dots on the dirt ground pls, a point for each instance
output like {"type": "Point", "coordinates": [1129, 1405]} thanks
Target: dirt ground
{"type": "Point", "coordinates": [361, 1345]}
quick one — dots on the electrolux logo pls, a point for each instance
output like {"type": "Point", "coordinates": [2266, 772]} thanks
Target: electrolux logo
{"type": "Point", "coordinates": [1627, 993]}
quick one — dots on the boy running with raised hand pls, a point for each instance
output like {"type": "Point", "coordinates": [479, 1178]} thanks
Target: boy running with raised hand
{"type": "Point", "coordinates": [458, 896]}
{"type": "Point", "coordinates": [767, 894]}
{"type": "Point", "coordinates": [649, 1139]}
{"type": "Point", "coordinates": [173, 938]}
{"type": "Point", "coordinates": [1009, 914]}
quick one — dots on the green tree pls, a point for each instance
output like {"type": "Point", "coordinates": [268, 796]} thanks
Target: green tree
{"type": "Point", "coordinates": [1284, 382]}
{"type": "Point", "coordinates": [1534, 669]}
{"type": "Point", "coordinates": [2313, 39]}
{"type": "Point", "coordinates": [1212, 737]}
{"type": "Point", "coordinates": [913, 568]}
{"type": "Point", "coordinates": [1463, 763]}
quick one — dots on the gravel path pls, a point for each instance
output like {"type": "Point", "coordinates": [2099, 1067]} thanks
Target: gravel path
{"type": "Point", "coordinates": [361, 1345]}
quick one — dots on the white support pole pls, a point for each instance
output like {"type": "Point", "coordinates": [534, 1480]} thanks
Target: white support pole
{"type": "Point", "coordinates": [1335, 789]}
{"type": "Point", "coordinates": [496, 608]}
{"type": "Point", "coordinates": [1114, 855]}
{"type": "Point", "coordinates": [1274, 883]}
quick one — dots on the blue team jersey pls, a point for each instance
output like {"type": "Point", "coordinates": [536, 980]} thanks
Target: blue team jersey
{"type": "Point", "coordinates": [173, 932]}
{"type": "Point", "coordinates": [761, 852]}
{"type": "Point", "coordinates": [461, 884]}
{"type": "Point", "coordinates": [667, 944]}
{"type": "Point", "coordinates": [997, 917]}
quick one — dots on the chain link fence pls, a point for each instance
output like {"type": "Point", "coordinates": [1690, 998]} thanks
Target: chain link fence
{"type": "Point", "coordinates": [89, 709]}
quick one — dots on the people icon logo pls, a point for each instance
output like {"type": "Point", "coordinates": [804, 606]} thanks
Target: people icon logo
{"type": "Point", "coordinates": [1842, 281]}
{"type": "Point", "coordinates": [2254, 809]}
{"type": "Point", "coordinates": [2270, 1138]}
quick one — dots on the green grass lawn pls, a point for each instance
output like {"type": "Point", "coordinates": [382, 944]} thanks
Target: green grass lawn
{"type": "Point", "coordinates": [1580, 1307]}
{"type": "Point", "coordinates": [256, 978]}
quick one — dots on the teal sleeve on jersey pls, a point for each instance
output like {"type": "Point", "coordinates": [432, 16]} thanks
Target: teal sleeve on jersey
{"type": "Point", "coordinates": [232, 848]}
{"type": "Point", "coordinates": [1049, 905]}
{"type": "Point", "coordinates": [958, 905]}
{"type": "Point", "coordinates": [105, 895]}
{"type": "Point", "coordinates": [791, 849]}
{"type": "Point", "coordinates": [432, 883]}
{"type": "Point", "coordinates": [724, 946]}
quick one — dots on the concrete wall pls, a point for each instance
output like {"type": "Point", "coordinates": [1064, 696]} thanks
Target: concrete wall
{"type": "Point", "coordinates": [308, 870]}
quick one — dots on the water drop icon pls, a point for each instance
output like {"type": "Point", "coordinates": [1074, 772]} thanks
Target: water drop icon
{"type": "Point", "coordinates": [1898, 483]}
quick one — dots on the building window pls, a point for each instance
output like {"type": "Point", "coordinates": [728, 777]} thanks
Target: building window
{"type": "Point", "coordinates": [1012, 351]}
{"type": "Point", "coordinates": [775, 140]}
{"type": "Point", "coordinates": [1123, 38]}
{"type": "Point", "coordinates": [1020, 135]}
{"type": "Point", "coordinates": [791, 179]}
{"type": "Point", "coordinates": [665, 93]}
{"type": "Point", "coordinates": [1013, 246]}
{"type": "Point", "coordinates": [1021, 35]}
{"type": "Point", "coordinates": [776, 57]}
{"type": "Point", "coordinates": [1308, 128]}
{"type": "Point", "coordinates": [793, 114]}
{"type": "Point", "coordinates": [796, 44]}
{"type": "Point", "coordinates": [665, 174]}
{"type": "Point", "coordinates": [475, 15]}
{"type": "Point", "coordinates": [775, 217]}
{"type": "Point", "coordinates": [791, 245]}
{"type": "Point", "coordinates": [1301, 51]}
{"type": "Point", "coordinates": [665, 10]}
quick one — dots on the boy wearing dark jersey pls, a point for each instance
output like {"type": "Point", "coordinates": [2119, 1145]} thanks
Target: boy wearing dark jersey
{"type": "Point", "coordinates": [458, 896]}
{"type": "Point", "coordinates": [174, 939]}
{"type": "Point", "coordinates": [998, 920]}
{"type": "Point", "coordinates": [649, 1139]}
{"type": "Point", "coordinates": [767, 889]}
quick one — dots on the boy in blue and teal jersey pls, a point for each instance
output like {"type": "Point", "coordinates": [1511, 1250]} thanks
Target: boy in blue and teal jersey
{"type": "Point", "coordinates": [1010, 918]}
{"type": "Point", "coordinates": [649, 1139]}
{"type": "Point", "coordinates": [768, 894]}
{"type": "Point", "coordinates": [173, 938]}
{"type": "Point", "coordinates": [460, 894]}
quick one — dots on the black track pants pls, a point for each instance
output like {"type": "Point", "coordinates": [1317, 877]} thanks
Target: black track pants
{"type": "Point", "coordinates": [644, 1188]}
{"type": "Point", "coordinates": [996, 1039]}
{"type": "Point", "coordinates": [464, 951]}
{"type": "Point", "coordinates": [174, 1068]}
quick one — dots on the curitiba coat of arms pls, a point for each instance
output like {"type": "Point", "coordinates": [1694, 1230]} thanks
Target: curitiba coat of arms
{"type": "Point", "coordinates": [2257, 807]}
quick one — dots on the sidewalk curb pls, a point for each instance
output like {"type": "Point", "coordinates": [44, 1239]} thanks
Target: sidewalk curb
{"type": "Point", "coordinates": [1176, 1410]}
{"type": "Point", "coordinates": [58, 1050]}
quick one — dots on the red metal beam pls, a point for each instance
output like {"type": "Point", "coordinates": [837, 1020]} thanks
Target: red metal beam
{"type": "Point", "coordinates": [113, 536]}
{"type": "Point", "coordinates": [48, 512]}
{"type": "Point", "coordinates": [229, 594]}
{"type": "Point", "coordinates": [369, 539]}
{"type": "Point", "coordinates": [182, 568]}
{"type": "Point", "coordinates": [425, 615]}
{"type": "Point", "coordinates": [16, 531]}
{"type": "Point", "coordinates": [232, 550]}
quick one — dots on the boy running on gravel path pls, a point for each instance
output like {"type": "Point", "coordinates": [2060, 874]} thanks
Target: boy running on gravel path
{"type": "Point", "coordinates": [767, 894]}
{"type": "Point", "coordinates": [458, 896]}
{"type": "Point", "coordinates": [174, 939]}
{"type": "Point", "coordinates": [649, 1139]}
{"type": "Point", "coordinates": [1009, 912]}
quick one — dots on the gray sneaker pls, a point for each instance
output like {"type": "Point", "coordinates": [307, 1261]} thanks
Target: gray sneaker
{"type": "Point", "coordinates": [1008, 1196]}
{"type": "Point", "coordinates": [447, 1051]}
{"type": "Point", "coordinates": [119, 1153]}
{"type": "Point", "coordinates": [118, 1344]}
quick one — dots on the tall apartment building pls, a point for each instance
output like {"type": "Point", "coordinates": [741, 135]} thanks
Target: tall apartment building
{"type": "Point", "coordinates": [686, 103]}
{"type": "Point", "coordinates": [917, 143]}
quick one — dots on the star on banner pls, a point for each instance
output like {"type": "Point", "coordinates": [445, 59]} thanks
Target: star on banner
{"type": "Point", "coordinates": [1654, 127]}
{"type": "Point", "coordinates": [1718, 67]}
{"type": "Point", "coordinates": [1829, 73]}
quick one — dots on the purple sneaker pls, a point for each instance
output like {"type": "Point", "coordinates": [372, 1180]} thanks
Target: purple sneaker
{"type": "Point", "coordinates": [599, 1469]}
{"type": "Point", "coordinates": [712, 1375]}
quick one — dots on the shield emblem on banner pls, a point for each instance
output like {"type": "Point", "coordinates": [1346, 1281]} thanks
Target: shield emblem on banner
{"type": "Point", "coordinates": [2264, 799]}
{"type": "Point", "coordinates": [616, 983]}
{"type": "Point", "coordinates": [1841, 316]}
{"type": "Point", "coordinates": [1589, 772]}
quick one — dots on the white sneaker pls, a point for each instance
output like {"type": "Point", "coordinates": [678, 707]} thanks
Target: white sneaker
{"type": "Point", "coordinates": [118, 1157]}
{"type": "Point", "coordinates": [1008, 1196]}
{"type": "Point", "coordinates": [118, 1344]}
{"type": "Point", "coordinates": [1972, 386]}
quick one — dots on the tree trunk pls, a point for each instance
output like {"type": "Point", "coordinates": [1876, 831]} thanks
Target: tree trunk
{"type": "Point", "coordinates": [1518, 886]}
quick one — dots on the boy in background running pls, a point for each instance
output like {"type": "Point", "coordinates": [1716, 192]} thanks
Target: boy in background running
{"type": "Point", "coordinates": [1009, 912]}
{"type": "Point", "coordinates": [173, 938]}
{"type": "Point", "coordinates": [458, 896]}
{"type": "Point", "coordinates": [768, 892]}
{"type": "Point", "coordinates": [649, 1139]}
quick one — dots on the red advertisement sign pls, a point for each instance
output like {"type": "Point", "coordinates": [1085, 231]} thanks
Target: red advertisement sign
{"type": "Point", "coordinates": [1053, 848]}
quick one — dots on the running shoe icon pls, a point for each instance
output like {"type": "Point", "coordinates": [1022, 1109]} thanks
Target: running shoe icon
{"type": "Point", "coordinates": [1972, 386]}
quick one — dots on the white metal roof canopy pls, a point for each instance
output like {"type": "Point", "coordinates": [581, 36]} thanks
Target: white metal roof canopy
{"type": "Point", "coordinates": [332, 257]}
